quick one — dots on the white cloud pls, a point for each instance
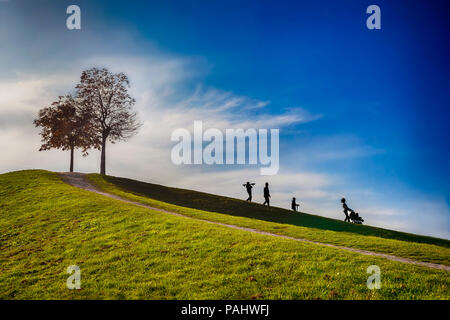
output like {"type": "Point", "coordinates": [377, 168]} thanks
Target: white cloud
{"type": "Point", "coordinates": [337, 147]}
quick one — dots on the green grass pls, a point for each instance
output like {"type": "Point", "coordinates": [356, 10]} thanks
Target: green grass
{"type": "Point", "coordinates": [277, 220]}
{"type": "Point", "coordinates": [129, 252]}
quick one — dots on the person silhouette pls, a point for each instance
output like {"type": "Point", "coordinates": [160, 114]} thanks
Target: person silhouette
{"type": "Point", "coordinates": [294, 205]}
{"type": "Point", "coordinates": [346, 210]}
{"type": "Point", "coordinates": [249, 187]}
{"type": "Point", "coordinates": [266, 195]}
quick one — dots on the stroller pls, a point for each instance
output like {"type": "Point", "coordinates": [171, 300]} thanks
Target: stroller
{"type": "Point", "coordinates": [355, 218]}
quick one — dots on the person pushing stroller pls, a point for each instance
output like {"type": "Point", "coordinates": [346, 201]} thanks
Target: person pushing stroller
{"type": "Point", "coordinates": [346, 210]}
{"type": "Point", "coordinates": [351, 215]}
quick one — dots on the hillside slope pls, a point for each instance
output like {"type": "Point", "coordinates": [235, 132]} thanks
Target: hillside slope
{"type": "Point", "coordinates": [277, 220]}
{"type": "Point", "coordinates": [128, 252]}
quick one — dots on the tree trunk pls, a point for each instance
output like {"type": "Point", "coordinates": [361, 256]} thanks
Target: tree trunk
{"type": "Point", "coordinates": [71, 159]}
{"type": "Point", "coordinates": [103, 159]}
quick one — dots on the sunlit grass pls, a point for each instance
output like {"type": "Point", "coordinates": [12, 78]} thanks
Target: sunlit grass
{"type": "Point", "coordinates": [128, 252]}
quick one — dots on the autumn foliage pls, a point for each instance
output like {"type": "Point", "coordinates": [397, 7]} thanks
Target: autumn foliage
{"type": "Point", "coordinates": [101, 111]}
{"type": "Point", "coordinates": [105, 96]}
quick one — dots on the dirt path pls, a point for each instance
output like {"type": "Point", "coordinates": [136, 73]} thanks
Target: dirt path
{"type": "Point", "coordinates": [79, 180]}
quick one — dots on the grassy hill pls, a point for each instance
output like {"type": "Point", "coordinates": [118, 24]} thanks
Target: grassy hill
{"type": "Point", "coordinates": [129, 252]}
{"type": "Point", "coordinates": [277, 220]}
{"type": "Point", "coordinates": [235, 207]}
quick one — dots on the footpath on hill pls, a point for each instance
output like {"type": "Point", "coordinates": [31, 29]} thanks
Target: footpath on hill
{"type": "Point", "coordinates": [79, 180]}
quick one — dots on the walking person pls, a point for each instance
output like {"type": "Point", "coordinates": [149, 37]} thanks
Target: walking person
{"type": "Point", "coordinates": [294, 205]}
{"type": "Point", "coordinates": [346, 210]}
{"type": "Point", "coordinates": [266, 195]}
{"type": "Point", "coordinates": [249, 187]}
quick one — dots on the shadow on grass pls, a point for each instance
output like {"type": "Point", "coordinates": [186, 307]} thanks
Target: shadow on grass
{"type": "Point", "coordinates": [241, 208]}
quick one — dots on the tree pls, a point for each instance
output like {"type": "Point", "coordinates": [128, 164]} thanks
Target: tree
{"type": "Point", "coordinates": [105, 97]}
{"type": "Point", "coordinates": [65, 126]}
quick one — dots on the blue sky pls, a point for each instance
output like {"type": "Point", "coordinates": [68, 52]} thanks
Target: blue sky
{"type": "Point", "coordinates": [369, 107]}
